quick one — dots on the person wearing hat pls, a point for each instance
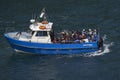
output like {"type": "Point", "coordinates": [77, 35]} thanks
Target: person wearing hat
{"type": "Point", "coordinates": [83, 31]}
{"type": "Point", "coordinates": [94, 32]}
{"type": "Point", "coordinates": [89, 31]}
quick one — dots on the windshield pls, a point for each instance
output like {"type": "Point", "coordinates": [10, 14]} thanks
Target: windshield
{"type": "Point", "coordinates": [42, 33]}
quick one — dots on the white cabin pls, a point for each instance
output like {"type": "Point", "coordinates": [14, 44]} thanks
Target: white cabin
{"type": "Point", "coordinates": [41, 32]}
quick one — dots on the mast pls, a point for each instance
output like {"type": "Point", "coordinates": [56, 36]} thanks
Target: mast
{"type": "Point", "coordinates": [43, 15]}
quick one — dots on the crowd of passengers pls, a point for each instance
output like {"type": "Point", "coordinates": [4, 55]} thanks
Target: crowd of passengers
{"type": "Point", "coordinates": [76, 36]}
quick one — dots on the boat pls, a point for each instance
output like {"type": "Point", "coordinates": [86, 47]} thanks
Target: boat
{"type": "Point", "coordinates": [40, 38]}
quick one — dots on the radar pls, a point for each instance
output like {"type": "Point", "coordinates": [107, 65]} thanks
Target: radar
{"type": "Point", "coordinates": [32, 20]}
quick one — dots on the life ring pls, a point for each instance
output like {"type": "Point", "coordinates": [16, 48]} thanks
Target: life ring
{"type": "Point", "coordinates": [42, 27]}
{"type": "Point", "coordinates": [44, 22]}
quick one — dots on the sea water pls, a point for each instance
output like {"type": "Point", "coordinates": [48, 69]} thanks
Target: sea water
{"type": "Point", "coordinates": [104, 15]}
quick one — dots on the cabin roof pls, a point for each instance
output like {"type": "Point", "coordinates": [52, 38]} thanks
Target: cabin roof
{"type": "Point", "coordinates": [40, 26]}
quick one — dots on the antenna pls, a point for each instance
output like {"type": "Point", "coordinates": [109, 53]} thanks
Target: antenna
{"type": "Point", "coordinates": [42, 13]}
{"type": "Point", "coordinates": [33, 19]}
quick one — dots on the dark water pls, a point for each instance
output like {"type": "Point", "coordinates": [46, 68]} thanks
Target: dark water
{"type": "Point", "coordinates": [66, 14]}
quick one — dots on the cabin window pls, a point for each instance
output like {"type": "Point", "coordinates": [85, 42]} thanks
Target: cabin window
{"type": "Point", "coordinates": [41, 33]}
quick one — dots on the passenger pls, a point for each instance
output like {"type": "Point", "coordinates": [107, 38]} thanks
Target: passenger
{"type": "Point", "coordinates": [55, 40]}
{"type": "Point", "coordinates": [95, 37]}
{"type": "Point", "coordinates": [67, 35]}
{"type": "Point", "coordinates": [73, 35]}
{"type": "Point", "coordinates": [88, 37]}
{"type": "Point", "coordinates": [66, 38]}
{"type": "Point", "coordinates": [89, 32]}
{"type": "Point", "coordinates": [92, 38]}
{"type": "Point", "coordinates": [62, 40]}
{"type": "Point", "coordinates": [52, 35]}
{"type": "Point", "coordinates": [76, 36]}
{"type": "Point", "coordinates": [70, 36]}
{"type": "Point", "coordinates": [84, 36]}
{"type": "Point", "coordinates": [80, 37]}
{"type": "Point", "coordinates": [85, 40]}
{"type": "Point", "coordinates": [83, 31]}
{"type": "Point", "coordinates": [94, 32]}
{"type": "Point", "coordinates": [63, 34]}
{"type": "Point", "coordinates": [100, 43]}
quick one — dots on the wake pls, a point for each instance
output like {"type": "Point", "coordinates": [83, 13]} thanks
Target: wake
{"type": "Point", "coordinates": [106, 49]}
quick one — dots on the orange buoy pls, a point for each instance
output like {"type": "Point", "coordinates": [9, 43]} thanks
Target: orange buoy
{"type": "Point", "coordinates": [44, 22]}
{"type": "Point", "coordinates": [42, 27]}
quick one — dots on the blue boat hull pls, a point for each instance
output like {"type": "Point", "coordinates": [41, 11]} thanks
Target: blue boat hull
{"type": "Point", "coordinates": [43, 48]}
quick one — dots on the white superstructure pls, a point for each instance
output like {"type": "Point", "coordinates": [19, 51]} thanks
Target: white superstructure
{"type": "Point", "coordinates": [40, 31]}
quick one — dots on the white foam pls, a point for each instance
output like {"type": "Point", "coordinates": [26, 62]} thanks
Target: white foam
{"type": "Point", "coordinates": [104, 37]}
{"type": "Point", "coordinates": [106, 49]}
